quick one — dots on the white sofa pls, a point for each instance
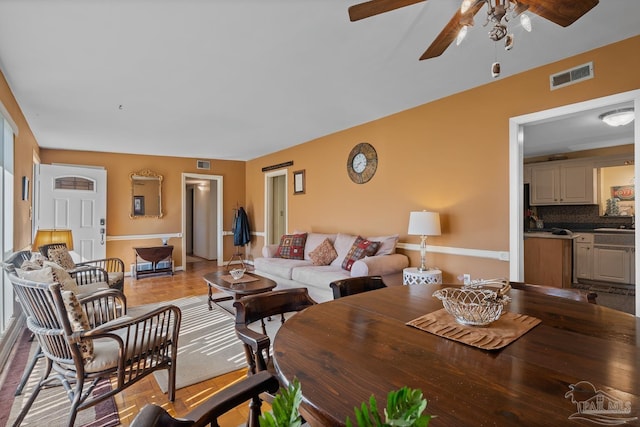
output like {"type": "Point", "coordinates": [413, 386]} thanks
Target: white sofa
{"type": "Point", "coordinates": [316, 278]}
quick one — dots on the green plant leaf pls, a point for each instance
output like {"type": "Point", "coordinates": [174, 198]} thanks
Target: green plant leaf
{"type": "Point", "coordinates": [285, 408]}
{"type": "Point", "coordinates": [404, 409]}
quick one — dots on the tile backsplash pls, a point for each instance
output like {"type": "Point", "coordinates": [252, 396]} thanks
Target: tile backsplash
{"type": "Point", "coordinates": [579, 217]}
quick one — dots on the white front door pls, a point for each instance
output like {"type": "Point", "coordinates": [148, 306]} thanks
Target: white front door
{"type": "Point", "coordinates": [75, 198]}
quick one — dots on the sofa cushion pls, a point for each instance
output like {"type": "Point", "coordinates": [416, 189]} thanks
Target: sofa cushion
{"type": "Point", "coordinates": [314, 240]}
{"type": "Point", "coordinates": [361, 247]}
{"type": "Point", "coordinates": [292, 246]}
{"type": "Point", "coordinates": [319, 276]}
{"type": "Point", "coordinates": [323, 254]}
{"type": "Point", "coordinates": [342, 246]}
{"type": "Point", "coordinates": [387, 244]}
{"type": "Point", "coordinates": [279, 267]}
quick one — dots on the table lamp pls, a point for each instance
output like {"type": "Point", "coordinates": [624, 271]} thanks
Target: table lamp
{"type": "Point", "coordinates": [45, 237]}
{"type": "Point", "coordinates": [424, 224]}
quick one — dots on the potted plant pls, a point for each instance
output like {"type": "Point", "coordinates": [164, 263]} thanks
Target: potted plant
{"type": "Point", "coordinates": [405, 408]}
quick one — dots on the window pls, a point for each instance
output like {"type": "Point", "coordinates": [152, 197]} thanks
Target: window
{"type": "Point", "coordinates": [6, 219]}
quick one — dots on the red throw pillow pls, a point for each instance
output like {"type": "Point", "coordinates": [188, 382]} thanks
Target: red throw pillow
{"type": "Point", "coordinates": [360, 249]}
{"type": "Point", "coordinates": [292, 246]}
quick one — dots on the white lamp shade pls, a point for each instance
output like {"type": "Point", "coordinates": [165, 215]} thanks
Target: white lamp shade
{"type": "Point", "coordinates": [424, 223]}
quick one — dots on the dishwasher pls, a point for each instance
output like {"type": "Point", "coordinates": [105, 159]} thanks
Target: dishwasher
{"type": "Point", "coordinates": [614, 257]}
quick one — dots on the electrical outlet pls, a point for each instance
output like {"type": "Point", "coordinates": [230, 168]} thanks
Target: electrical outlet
{"type": "Point", "coordinates": [466, 279]}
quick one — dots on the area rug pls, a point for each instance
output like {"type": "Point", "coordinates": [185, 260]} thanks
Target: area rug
{"type": "Point", "coordinates": [51, 407]}
{"type": "Point", "coordinates": [207, 343]}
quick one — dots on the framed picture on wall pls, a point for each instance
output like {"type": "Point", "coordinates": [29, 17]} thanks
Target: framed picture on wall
{"type": "Point", "coordinates": [298, 182]}
{"type": "Point", "coordinates": [138, 205]}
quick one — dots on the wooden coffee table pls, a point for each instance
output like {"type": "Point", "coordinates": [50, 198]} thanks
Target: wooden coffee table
{"type": "Point", "coordinates": [249, 284]}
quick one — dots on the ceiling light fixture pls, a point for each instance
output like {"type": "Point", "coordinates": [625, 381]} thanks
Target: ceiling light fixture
{"type": "Point", "coordinates": [619, 117]}
{"type": "Point", "coordinates": [499, 13]}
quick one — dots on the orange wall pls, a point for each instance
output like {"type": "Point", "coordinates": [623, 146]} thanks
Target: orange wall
{"type": "Point", "coordinates": [120, 166]}
{"type": "Point", "coordinates": [450, 156]}
{"type": "Point", "coordinates": [25, 147]}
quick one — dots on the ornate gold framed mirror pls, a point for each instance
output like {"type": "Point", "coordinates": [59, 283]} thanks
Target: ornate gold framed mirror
{"type": "Point", "coordinates": [146, 194]}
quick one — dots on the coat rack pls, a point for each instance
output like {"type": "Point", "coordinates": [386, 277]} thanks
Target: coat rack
{"type": "Point", "coordinates": [241, 234]}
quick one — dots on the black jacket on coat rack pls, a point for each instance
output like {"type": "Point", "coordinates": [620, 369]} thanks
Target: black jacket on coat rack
{"type": "Point", "coordinates": [241, 230]}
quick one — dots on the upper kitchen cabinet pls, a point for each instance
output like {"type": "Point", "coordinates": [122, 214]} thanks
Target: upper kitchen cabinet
{"type": "Point", "coordinates": [563, 183]}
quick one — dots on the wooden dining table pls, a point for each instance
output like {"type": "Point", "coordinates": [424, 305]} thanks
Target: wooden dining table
{"type": "Point", "coordinates": [580, 356]}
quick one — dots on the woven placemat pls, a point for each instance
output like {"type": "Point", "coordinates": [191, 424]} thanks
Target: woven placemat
{"type": "Point", "coordinates": [244, 279]}
{"type": "Point", "coordinates": [508, 328]}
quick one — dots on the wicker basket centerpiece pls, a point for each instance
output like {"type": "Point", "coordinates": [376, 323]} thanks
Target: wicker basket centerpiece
{"type": "Point", "coordinates": [474, 305]}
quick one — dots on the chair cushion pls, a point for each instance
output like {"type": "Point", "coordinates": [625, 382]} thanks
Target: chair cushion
{"type": "Point", "coordinates": [115, 277]}
{"type": "Point", "coordinates": [292, 246]}
{"type": "Point", "coordinates": [79, 322]}
{"type": "Point", "coordinates": [361, 247]}
{"type": "Point", "coordinates": [61, 257]}
{"type": "Point", "coordinates": [324, 253]}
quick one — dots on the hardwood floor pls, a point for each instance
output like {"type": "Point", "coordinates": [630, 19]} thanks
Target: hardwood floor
{"type": "Point", "coordinates": [164, 288]}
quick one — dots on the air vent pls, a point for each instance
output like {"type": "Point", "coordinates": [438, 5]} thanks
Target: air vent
{"type": "Point", "coordinates": [569, 77]}
{"type": "Point", "coordinates": [204, 164]}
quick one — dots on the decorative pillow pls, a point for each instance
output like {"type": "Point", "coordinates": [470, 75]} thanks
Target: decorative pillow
{"type": "Point", "coordinates": [292, 246]}
{"type": "Point", "coordinates": [79, 322]}
{"type": "Point", "coordinates": [324, 253]}
{"type": "Point", "coordinates": [342, 244]}
{"type": "Point", "coordinates": [61, 257]}
{"type": "Point", "coordinates": [44, 275]}
{"type": "Point", "coordinates": [61, 276]}
{"type": "Point", "coordinates": [387, 244]}
{"type": "Point", "coordinates": [361, 248]}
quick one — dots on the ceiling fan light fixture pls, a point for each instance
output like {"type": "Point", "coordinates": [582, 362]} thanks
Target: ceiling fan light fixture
{"type": "Point", "coordinates": [619, 117]}
{"type": "Point", "coordinates": [525, 21]}
{"type": "Point", "coordinates": [508, 42]}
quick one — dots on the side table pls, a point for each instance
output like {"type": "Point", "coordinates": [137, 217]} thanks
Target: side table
{"type": "Point", "coordinates": [154, 255]}
{"type": "Point", "coordinates": [412, 276]}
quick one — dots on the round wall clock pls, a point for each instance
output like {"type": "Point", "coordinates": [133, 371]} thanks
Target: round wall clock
{"type": "Point", "coordinates": [362, 163]}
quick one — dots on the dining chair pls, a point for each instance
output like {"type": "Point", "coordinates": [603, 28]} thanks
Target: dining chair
{"type": "Point", "coordinates": [264, 308]}
{"type": "Point", "coordinates": [573, 294]}
{"type": "Point", "coordinates": [208, 412]}
{"type": "Point", "coordinates": [356, 285]}
{"type": "Point", "coordinates": [113, 267]}
{"type": "Point", "coordinates": [89, 338]}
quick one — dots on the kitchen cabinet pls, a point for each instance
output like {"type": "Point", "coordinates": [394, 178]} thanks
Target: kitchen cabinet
{"type": "Point", "coordinates": [612, 264]}
{"type": "Point", "coordinates": [556, 183]}
{"type": "Point", "coordinates": [547, 261]}
{"type": "Point", "coordinates": [582, 257]}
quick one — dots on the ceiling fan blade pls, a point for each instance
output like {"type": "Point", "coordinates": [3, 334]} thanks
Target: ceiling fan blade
{"type": "Point", "coordinates": [561, 12]}
{"type": "Point", "coordinates": [450, 31]}
{"type": "Point", "coordinates": [376, 7]}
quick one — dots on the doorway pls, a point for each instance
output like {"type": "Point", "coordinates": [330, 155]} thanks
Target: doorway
{"type": "Point", "coordinates": [516, 159]}
{"type": "Point", "coordinates": [202, 227]}
{"type": "Point", "coordinates": [276, 206]}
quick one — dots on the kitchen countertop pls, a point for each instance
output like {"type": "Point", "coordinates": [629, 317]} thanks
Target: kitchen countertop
{"type": "Point", "coordinates": [549, 235]}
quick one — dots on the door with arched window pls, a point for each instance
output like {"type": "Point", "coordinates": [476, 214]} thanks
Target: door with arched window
{"type": "Point", "coordinates": [75, 198]}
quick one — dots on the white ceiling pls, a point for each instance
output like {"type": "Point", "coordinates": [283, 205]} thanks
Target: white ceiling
{"type": "Point", "coordinates": [237, 79]}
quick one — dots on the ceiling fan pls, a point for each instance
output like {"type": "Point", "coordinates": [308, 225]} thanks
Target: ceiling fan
{"type": "Point", "coordinates": [499, 12]}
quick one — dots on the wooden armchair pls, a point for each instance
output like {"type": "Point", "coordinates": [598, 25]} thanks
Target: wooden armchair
{"type": "Point", "coordinates": [113, 267]}
{"type": "Point", "coordinates": [254, 308]}
{"type": "Point", "coordinates": [208, 412]}
{"type": "Point", "coordinates": [86, 339]}
{"type": "Point", "coordinates": [356, 285]}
